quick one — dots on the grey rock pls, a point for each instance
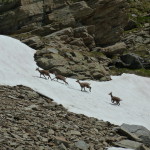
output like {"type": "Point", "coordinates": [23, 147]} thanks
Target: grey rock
{"type": "Point", "coordinates": [112, 50]}
{"type": "Point", "coordinates": [129, 144]}
{"type": "Point", "coordinates": [140, 131]}
{"type": "Point", "coordinates": [132, 60]}
{"type": "Point", "coordinates": [34, 42]}
{"type": "Point", "coordinates": [82, 145]}
{"type": "Point", "coordinates": [83, 10]}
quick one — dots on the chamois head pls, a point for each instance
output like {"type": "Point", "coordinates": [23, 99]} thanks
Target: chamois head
{"type": "Point", "coordinates": [110, 93]}
{"type": "Point", "coordinates": [37, 69]}
{"type": "Point", "coordinates": [55, 72]}
{"type": "Point", "coordinates": [77, 81]}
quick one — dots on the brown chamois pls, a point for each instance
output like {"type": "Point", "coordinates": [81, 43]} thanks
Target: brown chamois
{"type": "Point", "coordinates": [44, 73]}
{"type": "Point", "coordinates": [115, 99]}
{"type": "Point", "coordinates": [60, 77]}
{"type": "Point", "coordinates": [84, 85]}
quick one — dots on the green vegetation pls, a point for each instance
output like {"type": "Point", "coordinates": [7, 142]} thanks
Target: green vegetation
{"type": "Point", "coordinates": [140, 72]}
{"type": "Point", "coordinates": [97, 54]}
{"type": "Point", "coordinates": [138, 11]}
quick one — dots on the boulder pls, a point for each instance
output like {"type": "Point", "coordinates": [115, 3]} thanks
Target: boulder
{"type": "Point", "coordinates": [81, 145]}
{"type": "Point", "coordinates": [62, 16]}
{"type": "Point", "coordinates": [80, 10]}
{"type": "Point", "coordinates": [133, 61]}
{"type": "Point", "coordinates": [109, 18]}
{"type": "Point", "coordinates": [34, 42]}
{"type": "Point", "coordinates": [139, 131]}
{"type": "Point", "coordinates": [129, 144]}
{"type": "Point", "coordinates": [13, 20]}
{"type": "Point", "coordinates": [130, 25]}
{"type": "Point", "coordinates": [112, 50]}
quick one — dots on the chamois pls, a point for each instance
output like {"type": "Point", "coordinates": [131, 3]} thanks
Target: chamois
{"type": "Point", "coordinates": [84, 85]}
{"type": "Point", "coordinates": [115, 99]}
{"type": "Point", "coordinates": [44, 73]}
{"type": "Point", "coordinates": [60, 77]}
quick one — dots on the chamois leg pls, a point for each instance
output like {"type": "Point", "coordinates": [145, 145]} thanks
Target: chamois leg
{"type": "Point", "coordinates": [118, 103]}
{"type": "Point", "coordinates": [84, 89]}
{"type": "Point", "coordinates": [49, 77]}
{"type": "Point", "coordinates": [90, 89]}
{"type": "Point", "coordinates": [45, 76]}
{"type": "Point", "coordinates": [66, 82]}
{"type": "Point", "coordinates": [53, 78]}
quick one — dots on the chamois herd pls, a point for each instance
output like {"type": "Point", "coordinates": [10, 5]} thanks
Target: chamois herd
{"type": "Point", "coordinates": [83, 85]}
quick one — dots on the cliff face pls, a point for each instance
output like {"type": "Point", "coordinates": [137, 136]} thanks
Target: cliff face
{"type": "Point", "coordinates": [71, 27]}
{"type": "Point", "coordinates": [108, 16]}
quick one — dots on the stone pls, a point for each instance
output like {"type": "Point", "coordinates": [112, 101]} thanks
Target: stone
{"type": "Point", "coordinates": [123, 131]}
{"type": "Point", "coordinates": [130, 25]}
{"type": "Point", "coordinates": [82, 145]}
{"type": "Point", "coordinates": [31, 107]}
{"type": "Point", "coordinates": [117, 48]}
{"type": "Point", "coordinates": [60, 140]}
{"type": "Point", "coordinates": [73, 132]}
{"type": "Point", "coordinates": [34, 42]}
{"type": "Point", "coordinates": [83, 10]}
{"type": "Point", "coordinates": [67, 31]}
{"type": "Point", "coordinates": [139, 131]}
{"type": "Point", "coordinates": [129, 144]}
{"type": "Point", "coordinates": [132, 60]}
{"type": "Point", "coordinates": [62, 16]}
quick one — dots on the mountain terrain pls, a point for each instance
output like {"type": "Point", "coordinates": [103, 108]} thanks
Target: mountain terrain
{"type": "Point", "coordinates": [82, 39]}
{"type": "Point", "coordinates": [88, 40]}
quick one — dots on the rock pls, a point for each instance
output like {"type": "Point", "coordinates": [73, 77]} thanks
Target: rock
{"type": "Point", "coordinates": [51, 50]}
{"type": "Point", "coordinates": [34, 42]}
{"type": "Point", "coordinates": [43, 63]}
{"type": "Point", "coordinates": [129, 144]}
{"type": "Point", "coordinates": [108, 17]}
{"type": "Point", "coordinates": [62, 147]}
{"type": "Point", "coordinates": [117, 48]}
{"type": "Point", "coordinates": [73, 132]}
{"type": "Point", "coordinates": [19, 17]}
{"type": "Point", "coordinates": [82, 145]}
{"type": "Point", "coordinates": [66, 31]}
{"type": "Point", "coordinates": [76, 57]}
{"type": "Point", "coordinates": [65, 26]}
{"type": "Point", "coordinates": [83, 10]}
{"type": "Point", "coordinates": [32, 95]}
{"type": "Point", "coordinates": [62, 16]}
{"type": "Point", "coordinates": [131, 25]}
{"type": "Point", "coordinates": [124, 132]}
{"type": "Point", "coordinates": [59, 140]}
{"type": "Point", "coordinates": [64, 70]}
{"type": "Point", "coordinates": [139, 131]}
{"type": "Point", "coordinates": [7, 5]}
{"type": "Point", "coordinates": [32, 107]}
{"type": "Point", "coordinates": [54, 61]}
{"type": "Point", "coordinates": [13, 97]}
{"type": "Point", "coordinates": [132, 60]}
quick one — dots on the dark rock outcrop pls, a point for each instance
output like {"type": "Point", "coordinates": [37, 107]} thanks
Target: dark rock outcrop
{"type": "Point", "coordinates": [68, 26]}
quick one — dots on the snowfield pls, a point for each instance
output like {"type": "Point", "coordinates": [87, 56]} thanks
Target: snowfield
{"type": "Point", "coordinates": [17, 66]}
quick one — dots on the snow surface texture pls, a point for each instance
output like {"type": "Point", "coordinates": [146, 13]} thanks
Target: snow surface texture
{"type": "Point", "coordinates": [17, 66]}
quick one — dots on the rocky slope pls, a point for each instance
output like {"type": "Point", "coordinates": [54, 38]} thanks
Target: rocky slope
{"type": "Point", "coordinates": [137, 38]}
{"type": "Point", "coordinates": [65, 32]}
{"type": "Point", "coordinates": [29, 121]}
{"type": "Point", "coordinates": [81, 39]}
